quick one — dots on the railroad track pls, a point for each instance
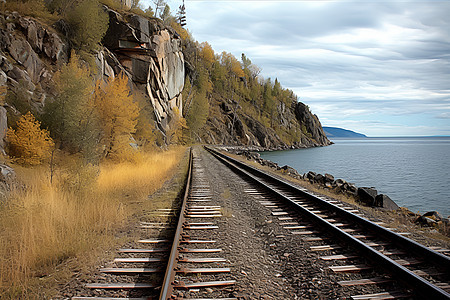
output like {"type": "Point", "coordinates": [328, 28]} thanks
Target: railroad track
{"type": "Point", "coordinates": [188, 262]}
{"type": "Point", "coordinates": [400, 267]}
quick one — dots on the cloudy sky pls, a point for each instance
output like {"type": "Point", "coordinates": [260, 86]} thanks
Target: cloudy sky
{"type": "Point", "coordinates": [377, 67]}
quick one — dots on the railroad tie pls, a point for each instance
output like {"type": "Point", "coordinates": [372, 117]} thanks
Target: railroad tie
{"type": "Point", "coordinates": [349, 268]}
{"type": "Point", "coordinates": [138, 260]}
{"type": "Point", "coordinates": [324, 247]}
{"type": "Point", "coordinates": [107, 298]}
{"type": "Point", "coordinates": [201, 260]}
{"type": "Point", "coordinates": [187, 286]}
{"type": "Point", "coordinates": [384, 295]}
{"type": "Point", "coordinates": [186, 250]}
{"type": "Point", "coordinates": [376, 280]}
{"type": "Point", "coordinates": [158, 250]}
{"type": "Point", "coordinates": [131, 270]}
{"type": "Point", "coordinates": [338, 257]}
{"type": "Point", "coordinates": [203, 270]}
{"type": "Point", "coordinates": [124, 286]}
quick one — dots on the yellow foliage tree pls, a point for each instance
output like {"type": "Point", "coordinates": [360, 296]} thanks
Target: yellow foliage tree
{"type": "Point", "coordinates": [206, 52]}
{"type": "Point", "coordinates": [233, 65]}
{"type": "Point", "coordinates": [118, 115]}
{"type": "Point", "coordinates": [29, 144]}
{"type": "Point", "coordinates": [177, 132]}
{"type": "Point", "coordinates": [183, 33]}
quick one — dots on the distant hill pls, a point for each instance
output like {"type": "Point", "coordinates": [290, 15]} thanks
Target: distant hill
{"type": "Point", "coordinates": [340, 132]}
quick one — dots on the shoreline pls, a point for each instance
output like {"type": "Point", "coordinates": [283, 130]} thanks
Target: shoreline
{"type": "Point", "coordinates": [364, 196]}
{"type": "Point", "coordinates": [266, 149]}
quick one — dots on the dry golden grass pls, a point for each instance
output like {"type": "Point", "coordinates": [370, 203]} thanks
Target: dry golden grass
{"type": "Point", "coordinates": [43, 224]}
{"type": "Point", "coordinates": [140, 177]}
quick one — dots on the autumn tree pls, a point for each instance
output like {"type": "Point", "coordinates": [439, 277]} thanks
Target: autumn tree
{"type": "Point", "coordinates": [197, 109]}
{"type": "Point", "coordinates": [183, 33]}
{"type": "Point", "coordinates": [71, 116]}
{"type": "Point", "coordinates": [145, 128]}
{"type": "Point", "coordinates": [28, 143]}
{"type": "Point", "coordinates": [198, 112]}
{"type": "Point", "coordinates": [232, 64]}
{"type": "Point", "coordinates": [207, 53]}
{"type": "Point", "coordinates": [177, 129]}
{"type": "Point", "coordinates": [118, 115]}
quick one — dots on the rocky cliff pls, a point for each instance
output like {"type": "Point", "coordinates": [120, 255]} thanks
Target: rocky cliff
{"type": "Point", "coordinates": [230, 126]}
{"type": "Point", "coordinates": [148, 52]}
{"type": "Point", "coordinates": [151, 55]}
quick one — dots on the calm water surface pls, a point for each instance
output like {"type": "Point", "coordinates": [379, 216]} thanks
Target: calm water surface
{"type": "Point", "coordinates": [414, 172]}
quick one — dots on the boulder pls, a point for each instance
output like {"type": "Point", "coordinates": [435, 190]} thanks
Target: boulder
{"type": "Point", "coordinates": [7, 180]}
{"type": "Point", "coordinates": [384, 201]}
{"type": "Point", "coordinates": [340, 182]}
{"type": "Point", "coordinates": [352, 189]}
{"type": "Point", "coordinates": [310, 175]}
{"type": "Point", "coordinates": [329, 178]}
{"type": "Point", "coordinates": [426, 221]}
{"type": "Point", "coordinates": [289, 170]}
{"type": "Point", "coordinates": [367, 195]}
{"type": "Point", "coordinates": [319, 178]}
{"type": "Point", "coordinates": [434, 215]}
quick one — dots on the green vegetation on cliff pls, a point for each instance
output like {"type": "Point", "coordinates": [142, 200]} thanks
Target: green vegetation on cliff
{"type": "Point", "coordinates": [244, 108]}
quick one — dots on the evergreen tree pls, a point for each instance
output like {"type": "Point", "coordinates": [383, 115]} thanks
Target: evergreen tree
{"type": "Point", "coordinates": [88, 22]}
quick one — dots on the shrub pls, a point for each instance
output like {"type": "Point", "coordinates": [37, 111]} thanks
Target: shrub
{"type": "Point", "coordinates": [29, 144]}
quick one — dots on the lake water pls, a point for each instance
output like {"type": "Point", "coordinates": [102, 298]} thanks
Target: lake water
{"type": "Point", "coordinates": [414, 172]}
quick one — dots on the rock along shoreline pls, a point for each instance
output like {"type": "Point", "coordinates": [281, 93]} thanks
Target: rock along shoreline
{"type": "Point", "coordinates": [366, 196]}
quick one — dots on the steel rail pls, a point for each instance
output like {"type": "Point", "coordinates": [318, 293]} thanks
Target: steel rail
{"type": "Point", "coordinates": [169, 277]}
{"type": "Point", "coordinates": [419, 284]}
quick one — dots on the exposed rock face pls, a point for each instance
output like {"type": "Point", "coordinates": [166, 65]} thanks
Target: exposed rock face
{"type": "Point", "coordinates": [30, 53]}
{"type": "Point", "coordinates": [144, 50]}
{"type": "Point", "coordinates": [236, 128]}
{"type": "Point", "coordinates": [151, 55]}
{"type": "Point", "coordinates": [311, 124]}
